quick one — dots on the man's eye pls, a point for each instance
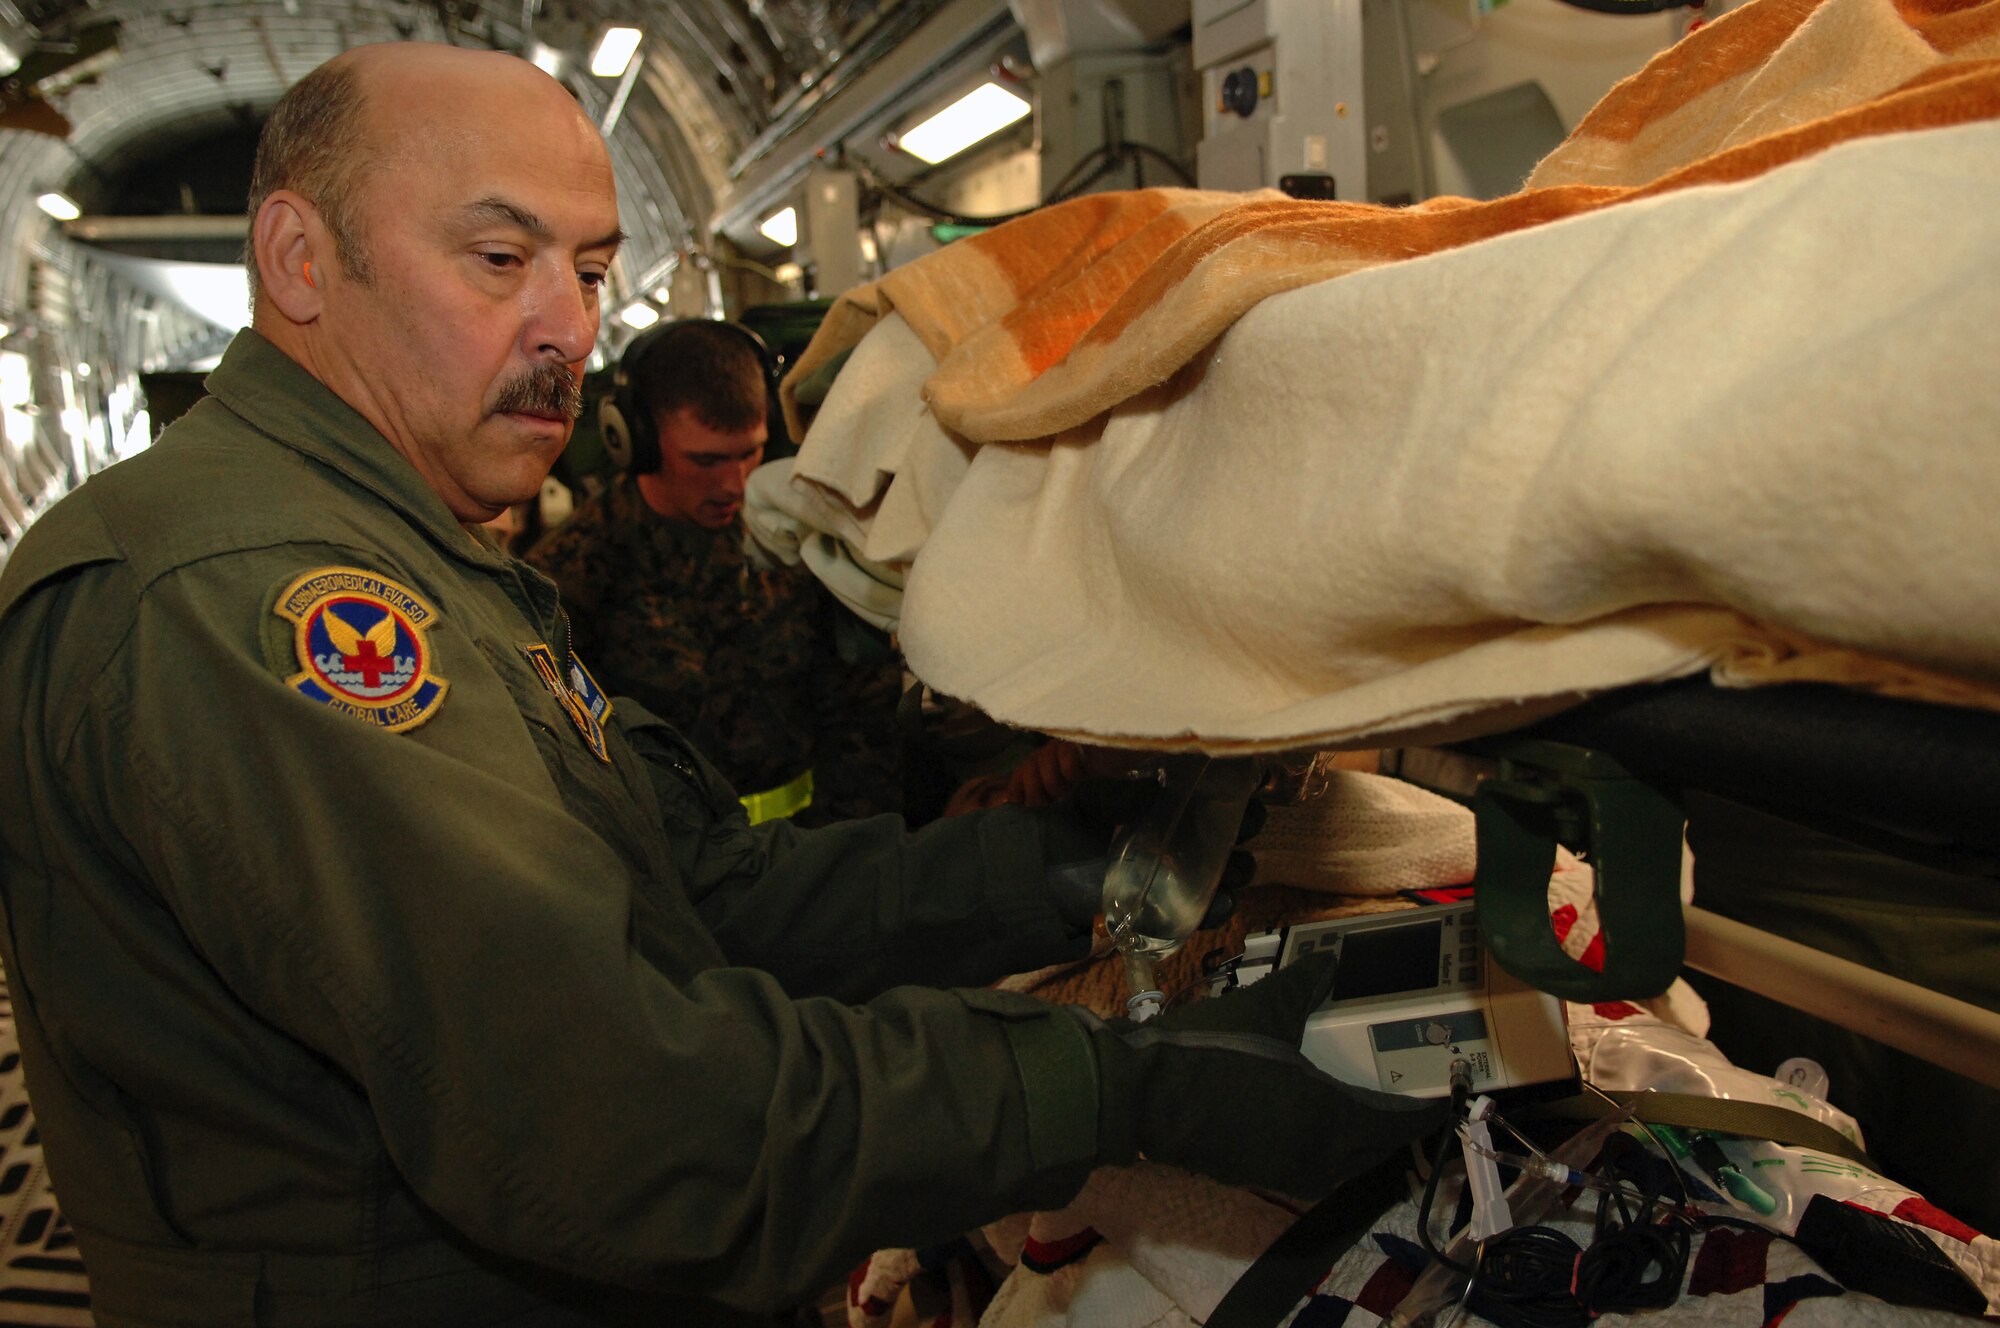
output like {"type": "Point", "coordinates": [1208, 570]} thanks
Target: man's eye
{"type": "Point", "coordinates": [591, 280]}
{"type": "Point", "coordinates": [498, 260]}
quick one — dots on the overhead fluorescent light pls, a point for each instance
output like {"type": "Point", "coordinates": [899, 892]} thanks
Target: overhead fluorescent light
{"type": "Point", "coordinates": [980, 113]}
{"type": "Point", "coordinates": [663, 295]}
{"type": "Point", "coordinates": [138, 435]}
{"type": "Point", "coordinates": [6, 330]}
{"type": "Point", "coordinates": [59, 206]}
{"type": "Point", "coordinates": [787, 273]}
{"type": "Point", "coordinates": [614, 51]}
{"type": "Point", "coordinates": [638, 315]}
{"type": "Point", "coordinates": [781, 227]}
{"type": "Point", "coordinates": [547, 59]}
{"type": "Point", "coordinates": [219, 292]}
{"type": "Point", "coordinates": [17, 399]}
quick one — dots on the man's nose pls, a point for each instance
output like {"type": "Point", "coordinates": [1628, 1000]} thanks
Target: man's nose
{"type": "Point", "coordinates": [565, 321]}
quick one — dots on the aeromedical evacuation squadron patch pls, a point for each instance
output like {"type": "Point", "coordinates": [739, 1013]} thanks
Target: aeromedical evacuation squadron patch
{"type": "Point", "coordinates": [360, 645]}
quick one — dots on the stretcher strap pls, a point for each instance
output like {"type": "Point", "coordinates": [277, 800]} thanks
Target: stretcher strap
{"type": "Point", "coordinates": [1719, 1115]}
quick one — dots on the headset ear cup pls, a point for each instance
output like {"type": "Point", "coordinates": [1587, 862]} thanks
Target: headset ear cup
{"type": "Point", "coordinates": [617, 434]}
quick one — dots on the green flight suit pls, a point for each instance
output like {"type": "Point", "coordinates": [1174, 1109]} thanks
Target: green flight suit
{"type": "Point", "coordinates": [329, 1023]}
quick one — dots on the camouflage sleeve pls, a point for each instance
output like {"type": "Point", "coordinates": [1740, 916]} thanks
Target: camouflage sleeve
{"type": "Point", "coordinates": [857, 751]}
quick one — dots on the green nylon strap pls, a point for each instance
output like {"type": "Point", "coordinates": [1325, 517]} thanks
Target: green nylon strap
{"type": "Point", "coordinates": [1748, 1120]}
{"type": "Point", "coordinates": [1550, 793]}
{"type": "Point", "coordinates": [784, 800]}
{"type": "Point", "coordinates": [1059, 1080]}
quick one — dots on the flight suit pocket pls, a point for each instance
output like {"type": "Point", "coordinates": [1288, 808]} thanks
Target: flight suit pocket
{"type": "Point", "coordinates": [690, 791]}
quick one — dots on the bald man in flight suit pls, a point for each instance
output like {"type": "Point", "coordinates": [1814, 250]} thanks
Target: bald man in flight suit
{"type": "Point", "coordinates": [372, 967]}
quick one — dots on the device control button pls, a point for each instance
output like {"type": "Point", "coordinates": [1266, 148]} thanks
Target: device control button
{"type": "Point", "coordinates": [1468, 975]}
{"type": "Point", "coordinates": [1239, 91]}
{"type": "Point", "coordinates": [1467, 954]}
{"type": "Point", "coordinates": [1437, 1034]}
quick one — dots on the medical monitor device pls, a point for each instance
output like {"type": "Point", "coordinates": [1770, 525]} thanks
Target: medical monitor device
{"type": "Point", "coordinates": [1416, 992]}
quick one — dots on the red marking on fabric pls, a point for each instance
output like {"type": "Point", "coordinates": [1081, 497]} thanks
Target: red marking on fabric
{"type": "Point", "coordinates": [1924, 1213]}
{"type": "Point", "coordinates": [1615, 1010]}
{"type": "Point", "coordinates": [1729, 1262]}
{"type": "Point", "coordinates": [872, 1306]}
{"type": "Point", "coordinates": [1592, 957]}
{"type": "Point", "coordinates": [1562, 920]}
{"type": "Point", "coordinates": [1386, 1288]}
{"type": "Point", "coordinates": [1047, 1256]}
{"type": "Point", "coordinates": [1781, 1298]}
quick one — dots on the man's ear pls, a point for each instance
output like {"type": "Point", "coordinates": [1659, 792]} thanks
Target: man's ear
{"type": "Point", "coordinates": [293, 255]}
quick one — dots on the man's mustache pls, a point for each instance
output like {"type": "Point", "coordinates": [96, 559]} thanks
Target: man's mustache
{"type": "Point", "coordinates": [548, 390]}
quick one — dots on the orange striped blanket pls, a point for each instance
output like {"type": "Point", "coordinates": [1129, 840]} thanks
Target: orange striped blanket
{"type": "Point", "coordinates": [1240, 368]}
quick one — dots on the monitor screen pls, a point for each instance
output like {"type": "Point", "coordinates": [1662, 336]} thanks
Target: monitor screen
{"type": "Point", "coordinates": [1382, 961]}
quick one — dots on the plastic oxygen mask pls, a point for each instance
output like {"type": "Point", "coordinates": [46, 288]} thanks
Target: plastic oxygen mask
{"type": "Point", "coordinates": [1165, 867]}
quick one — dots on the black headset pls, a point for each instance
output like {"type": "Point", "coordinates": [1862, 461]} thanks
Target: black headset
{"type": "Point", "coordinates": [631, 435]}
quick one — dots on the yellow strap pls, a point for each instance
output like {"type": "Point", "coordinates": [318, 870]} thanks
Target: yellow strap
{"type": "Point", "coordinates": [784, 800]}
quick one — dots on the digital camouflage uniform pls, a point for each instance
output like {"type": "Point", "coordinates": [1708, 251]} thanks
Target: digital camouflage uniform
{"type": "Point", "coordinates": [736, 652]}
{"type": "Point", "coordinates": [366, 974]}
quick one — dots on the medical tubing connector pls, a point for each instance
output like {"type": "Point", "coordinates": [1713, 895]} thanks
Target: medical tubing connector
{"type": "Point", "coordinates": [1490, 1214]}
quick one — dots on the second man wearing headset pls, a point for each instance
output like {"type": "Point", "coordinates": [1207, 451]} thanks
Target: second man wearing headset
{"type": "Point", "coordinates": [673, 606]}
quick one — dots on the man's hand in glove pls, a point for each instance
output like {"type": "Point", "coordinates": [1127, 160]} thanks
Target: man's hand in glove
{"type": "Point", "coordinates": [1219, 1087]}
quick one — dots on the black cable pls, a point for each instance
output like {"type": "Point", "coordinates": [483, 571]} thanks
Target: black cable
{"type": "Point", "coordinates": [1146, 150]}
{"type": "Point", "coordinates": [1524, 1280]}
{"type": "Point", "coordinates": [1099, 161]}
{"type": "Point", "coordinates": [1538, 1277]}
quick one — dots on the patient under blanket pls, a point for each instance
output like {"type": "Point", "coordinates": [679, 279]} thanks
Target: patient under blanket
{"type": "Point", "coordinates": [1712, 393]}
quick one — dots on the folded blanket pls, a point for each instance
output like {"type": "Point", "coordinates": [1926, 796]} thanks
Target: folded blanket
{"type": "Point", "coordinates": [793, 525]}
{"type": "Point", "coordinates": [1366, 834]}
{"type": "Point", "coordinates": [1704, 395]}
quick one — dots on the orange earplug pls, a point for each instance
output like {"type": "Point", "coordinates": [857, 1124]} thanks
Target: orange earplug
{"type": "Point", "coordinates": [309, 275]}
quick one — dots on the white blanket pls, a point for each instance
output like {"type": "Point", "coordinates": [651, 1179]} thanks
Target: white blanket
{"type": "Point", "coordinates": [1719, 429]}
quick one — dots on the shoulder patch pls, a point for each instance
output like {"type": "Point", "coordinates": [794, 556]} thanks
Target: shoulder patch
{"type": "Point", "coordinates": [361, 648]}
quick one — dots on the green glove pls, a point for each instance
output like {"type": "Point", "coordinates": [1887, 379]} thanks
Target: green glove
{"type": "Point", "coordinates": [1219, 1087]}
